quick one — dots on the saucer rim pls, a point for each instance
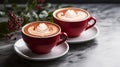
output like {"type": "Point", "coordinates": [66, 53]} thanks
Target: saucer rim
{"type": "Point", "coordinates": [98, 31]}
{"type": "Point", "coordinates": [39, 59]}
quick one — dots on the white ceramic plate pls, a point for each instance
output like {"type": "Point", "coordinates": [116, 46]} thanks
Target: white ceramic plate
{"type": "Point", "coordinates": [22, 50]}
{"type": "Point", "coordinates": [85, 36]}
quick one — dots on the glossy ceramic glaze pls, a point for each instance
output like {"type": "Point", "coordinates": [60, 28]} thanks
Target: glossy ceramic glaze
{"type": "Point", "coordinates": [75, 28]}
{"type": "Point", "coordinates": [44, 45]}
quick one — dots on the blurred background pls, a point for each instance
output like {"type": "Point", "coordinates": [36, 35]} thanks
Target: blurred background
{"type": "Point", "coordinates": [70, 1]}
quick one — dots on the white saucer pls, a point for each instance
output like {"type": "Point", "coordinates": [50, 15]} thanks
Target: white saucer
{"type": "Point", "coordinates": [22, 50]}
{"type": "Point", "coordinates": [85, 36]}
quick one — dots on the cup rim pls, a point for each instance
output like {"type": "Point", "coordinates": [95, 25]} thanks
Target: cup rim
{"type": "Point", "coordinates": [73, 8]}
{"type": "Point", "coordinates": [38, 36]}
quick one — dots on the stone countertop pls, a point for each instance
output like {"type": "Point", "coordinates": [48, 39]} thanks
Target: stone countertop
{"type": "Point", "coordinates": [103, 51]}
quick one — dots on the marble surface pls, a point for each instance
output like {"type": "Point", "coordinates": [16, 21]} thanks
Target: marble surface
{"type": "Point", "coordinates": [103, 51]}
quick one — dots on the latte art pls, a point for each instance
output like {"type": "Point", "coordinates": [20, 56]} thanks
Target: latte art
{"type": "Point", "coordinates": [41, 29]}
{"type": "Point", "coordinates": [71, 15]}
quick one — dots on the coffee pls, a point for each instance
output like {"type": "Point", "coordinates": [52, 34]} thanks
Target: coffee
{"type": "Point", "coordinates": [71, 14]}
{"type": "Point", "coordinates": [41, 36]}
{"type": "Point", "coordinates": [73, 21]}
{"type": "Point", "coordinates": [40, 29]}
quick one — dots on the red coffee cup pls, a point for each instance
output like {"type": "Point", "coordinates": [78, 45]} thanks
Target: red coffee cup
{"type": "Point", "coordinates": [76, 27]}
{"type": "Point", "coordinates": [42, 45]}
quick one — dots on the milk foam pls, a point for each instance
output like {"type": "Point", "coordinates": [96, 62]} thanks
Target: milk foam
{"type": "Point", "coordinates": [42, 30]}
{"type": "Point", "coordinates": [72, 15]}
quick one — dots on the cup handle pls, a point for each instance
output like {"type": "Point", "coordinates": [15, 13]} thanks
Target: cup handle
{"type": "Point", "coordinates": [89, 26]}
{"type": "Point", "coordinates": [63, 37]}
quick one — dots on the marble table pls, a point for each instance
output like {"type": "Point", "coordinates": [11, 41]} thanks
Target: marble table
{"type": "Point", "coordinates": [103, 51]}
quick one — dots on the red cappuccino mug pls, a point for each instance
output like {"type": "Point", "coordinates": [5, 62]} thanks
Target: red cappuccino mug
{"type": "Point", "coordinates": [42, 36]}
{"type": "Point", "coordinates": [73, 21]}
